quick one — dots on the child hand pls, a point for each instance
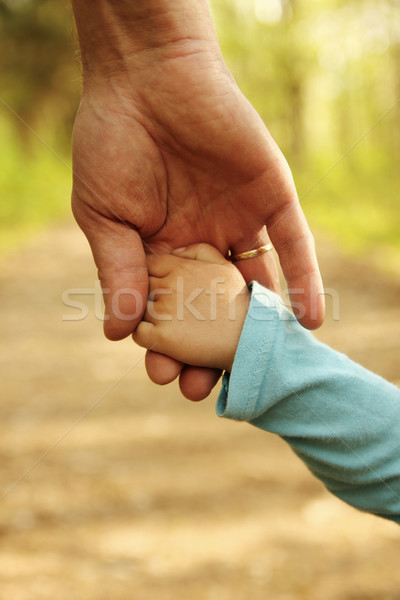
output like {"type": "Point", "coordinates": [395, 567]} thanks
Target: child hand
{"type": "Point", "coordinates": [197, 305]}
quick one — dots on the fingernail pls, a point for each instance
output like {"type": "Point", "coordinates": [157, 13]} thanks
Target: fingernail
{"type": "Point", "coordinates": [179, 250]}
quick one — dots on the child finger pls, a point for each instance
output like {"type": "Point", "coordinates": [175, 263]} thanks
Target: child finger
{"type": "Point", "coordinates": [154, 288]}
{"type": "Point", "coordinates": [202, 251]}
{"type": "Point", "coordinates": [155, 312]}
{"type": "Point", "coordinates": [145, 335]}
{"type": "Point", "coordinates": [161, 266]}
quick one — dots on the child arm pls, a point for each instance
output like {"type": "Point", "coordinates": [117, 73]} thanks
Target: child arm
{"type": "Point", "coordinates": [340, 419]}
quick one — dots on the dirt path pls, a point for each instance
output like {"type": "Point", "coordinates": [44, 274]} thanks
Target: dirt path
{"type": "Point", "coordinates": [150, 497]}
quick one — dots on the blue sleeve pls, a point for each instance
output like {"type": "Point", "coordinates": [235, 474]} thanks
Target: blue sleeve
{"type": "Point", "coordinates": [340, 419]}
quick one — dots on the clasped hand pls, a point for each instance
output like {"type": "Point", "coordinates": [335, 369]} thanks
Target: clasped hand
{"type": "Point", "coordinates": [172, 154]}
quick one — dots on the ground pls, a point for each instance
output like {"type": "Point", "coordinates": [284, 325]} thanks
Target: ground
{"type": "Point", "coordinates": [115, 488]}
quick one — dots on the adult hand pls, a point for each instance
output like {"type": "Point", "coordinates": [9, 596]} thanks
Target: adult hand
{"type": "Point", "coordinates": [168, 152]}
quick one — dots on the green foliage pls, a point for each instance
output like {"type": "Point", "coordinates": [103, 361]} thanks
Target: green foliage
{"type": "Point", "coordinates": [34, 187]}
{"type": "Point", "coordinates": [40, 81]}
{"type": "Point", "coordinates": [325, 75]}
{"type": "Point", "coordinates": [356, 205]}
{"type": "Point", "coordinates": [40, 71]}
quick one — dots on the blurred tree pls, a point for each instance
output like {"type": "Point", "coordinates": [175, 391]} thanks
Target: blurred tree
{"type": "Point", "coordinates": [323, 74]}
{"type": "Point", "coordinates": [262, 44]}
{"type": "Point", "coordinates": [39, 75]}
{"type": "Point", "coordinates": [325, 77]}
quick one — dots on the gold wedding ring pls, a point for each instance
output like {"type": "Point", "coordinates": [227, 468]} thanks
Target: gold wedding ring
{"type": "Point", "coordinates": [252, 253]}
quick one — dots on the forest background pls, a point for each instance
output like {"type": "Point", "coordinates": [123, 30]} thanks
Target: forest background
{"type": "Point", "coordinates": [324, 75]}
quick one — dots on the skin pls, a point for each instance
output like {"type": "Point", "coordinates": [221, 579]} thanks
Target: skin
{"type": "Point", "coordinates": [185, 318]}
{"type": "Point", "coordinates": [167, 152]}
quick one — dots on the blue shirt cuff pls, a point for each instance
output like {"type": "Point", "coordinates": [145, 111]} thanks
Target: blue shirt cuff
{"type": "Point", "coordinates": [237, 400]}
